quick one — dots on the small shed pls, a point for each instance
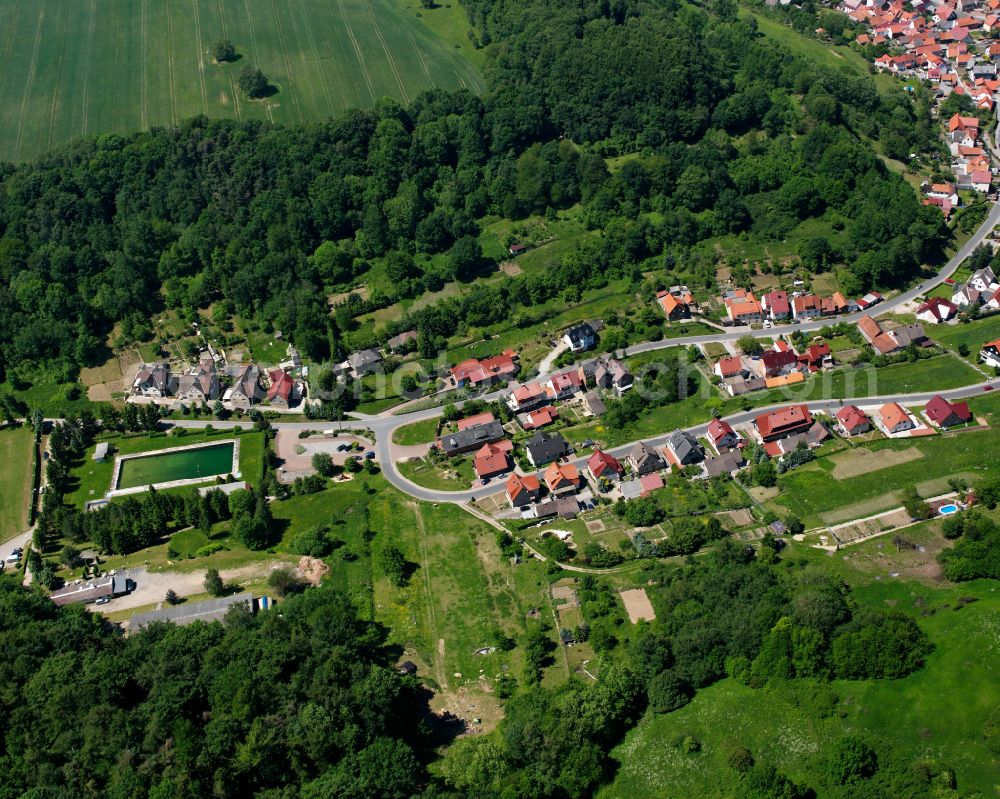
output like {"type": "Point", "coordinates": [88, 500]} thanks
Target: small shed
{"type": "Point", "coordinates": [101, 452]}
{"type": "Point", "coordinates": [407, 667]}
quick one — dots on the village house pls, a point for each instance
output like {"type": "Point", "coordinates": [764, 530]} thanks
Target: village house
{"type": "Point", "coordinates": [471, 438]}
{"type": "Point", "coordinates": [562, 478]}
{"type": "Point", "coordinates": [608, 373]}
{"type": "Point", "coordinates": [730, 366]}
{"type": "Point", "coordinates": [580, 337]}
{"type": "Point", "coordinates": [246, 390]}
{"type": "Point", "coordinates": [947, 414]}
{"type": "Point", "coordinates": [936, 310]}
{"type": "Point", "coordinates": [527, 396]}
{"type": "Point", "coordinates": [601, 464]}
{"type": "Point", "coordinates": [729, 462]}
{"type": "Point", "coordinates": [543, 448]}
{"type": "Point", "coordinates": [738, 385]}
{"type": "Point", "coordinates": [540, 417]}
{"type": "Point", "coordinates": [154, 380]}
{"type": "Point", "coordinates": [853, 421]}
{"type": "Point", "coordinates": [476, 419]}
{"type": "Point", "coordinates": [776, 304]}
{"type": "Point", "coordinates": [199, 385]}
{"type": "Point", "coordinates": [564, 384]}
{"type": "Point", "coordinates": [364, 362]}
{"type": "Point", "coordinates": [281, 393]}
{"type": "Point", "coordinates": [400, 343]}
{"type": "Point", "coordinates": [779, 362]}
{"type": "Point", "coordinates": [673, 307]}
{"type": "Point", "coordinates": [722, 435]}
{"type": "Point", "coordinates": [475, 373]}
{"type": "Point", "coordinates": [742, 307]}
{"type": "Point", "coordinates": [683, 449]}
{"type": "Point", "coordinates": [816, 357]}
{"type": "Point", "coordinates": [523, 490]}
{"type": "Point", "coordinates": [990, 353]}
{"type": "Point", "coordinates": [492, 459]}
{"type": "Point", "coordinates": [783, 422]}
{"type": "Point", "coordinates": [645, 459]}
{"type": "Point", "coordinates": [894, 418]}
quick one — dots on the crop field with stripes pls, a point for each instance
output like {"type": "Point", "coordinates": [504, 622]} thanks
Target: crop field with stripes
{"type": "Point", "coordinates": [83, 67]}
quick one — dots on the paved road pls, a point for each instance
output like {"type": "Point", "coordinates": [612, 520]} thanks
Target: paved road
{"type": "Point", "coordinates": [743, 417]}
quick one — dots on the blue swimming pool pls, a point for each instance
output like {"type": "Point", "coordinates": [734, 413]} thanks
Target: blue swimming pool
{"type": "Point", "coordinates": [946, 510]}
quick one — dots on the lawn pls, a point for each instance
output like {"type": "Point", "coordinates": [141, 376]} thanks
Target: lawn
{"type": "Point", "coordinates": [816, 497]}
{"type": "Point", "coordinates": [416, 433]}
{"type": "Point", "coordinates": [94, 479]}
{"type": "Point", "coordinates": [16, 462]}
{"type": "Point", "coordinates": [973, 335]}
{"type": "Point", "coordinates": [940, 372]}
{"type": "Point", "coordinates": [455, 475]}
{"type": "Point", "coordinates": [74, 69]}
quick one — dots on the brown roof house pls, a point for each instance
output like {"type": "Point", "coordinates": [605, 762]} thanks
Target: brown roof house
{"type": "Point", "coordinates": [199, 385]}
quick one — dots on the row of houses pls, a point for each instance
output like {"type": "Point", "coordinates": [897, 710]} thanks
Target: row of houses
{"type": "Point", "coordinates": [886, 342]}
{"type": "Point", "coordinates": [203, 384]}
{"type": "Point", "coordinates": [779, 366]}
{"type": "Point", "coordinates": [892, 418]}
{"type": "Point", "coordinates": [743, 308]}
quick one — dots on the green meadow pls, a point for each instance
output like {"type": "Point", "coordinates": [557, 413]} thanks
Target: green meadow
{"type": "Point", "coordinates": [115, 66]}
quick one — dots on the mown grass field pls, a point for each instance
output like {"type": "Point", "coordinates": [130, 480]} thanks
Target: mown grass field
{"type": "Point", "coordinates": [416, 433]}
{"type": "Point", "coordinates": [15, 480]}
{"type": "Point", "coordinates": [105, 66]}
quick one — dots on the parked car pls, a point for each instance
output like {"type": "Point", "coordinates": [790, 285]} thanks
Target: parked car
{"type": "Point", "coordinates": [370, 455]}
{"type": "Point", "coordinates": [14, 557]}
{"type": "Point", "coordinates": [987, 388]}
{"type": "Point", "coordinates": [103, 600]}
{"type": "Point", "coordinates": [343, 447]}
{"type": "Point", "coordinates": [484, 481]}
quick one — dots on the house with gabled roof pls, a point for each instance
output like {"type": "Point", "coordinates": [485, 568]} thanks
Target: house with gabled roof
{"type": "Point", "coordinates": [153, 380]}
{"type": "Point", "coordinates": [853, 421]}
{"type": "Point", "coordinates": [246, 390]}
{"type": "Point", "coordinates": [200, 384]}
{"type": "Point", "coordinates": [947, 414]}
{"type": "Point", "coordinates": [527, 396]}
{"type": "Point", "coordinates": [523, 489]}
{"type": "Point", "coordinates": [601, 464]}
{"type": "Point", "coordinates": [281, 392]}
{"type": "Point", "coordinates": [722, 435]}
{"type": "Point", "coordinates": [492, 459]}
{"type": "Point", "coordinates": [783, 422]}
{"type": "Point", "coordinates": [894, 418]}
{"type": "Point", "coordinates": [936, 310]}
{"type": "Point", "coordinates": [673, 307]}
{"type": "Point", "coordinates": [562, 478]}
{"type": "Point", "coordinates": [776, 304]}
{"type": "Point", "coordinates": [730, 366]}
{"type": "Point", "coordinates": [990, 353]}
{"type": "Point", "coordinates": [580, 337]}
{"type": "Point", "coordinates": [645, 459]}
{"type": "Point", "coordinates": [683, 449]}
{"type": "Point", "coordinates": [543, 448]}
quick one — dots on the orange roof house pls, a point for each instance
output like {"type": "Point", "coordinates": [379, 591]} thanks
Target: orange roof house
{"type": "Point", "coordinates": [562, 477]}
{"type": "Point", "coordinates": [894, 418]}
{"type": "Point", "coordinates": [783, 422]}
{"type": "Point", "coordinates": [523, 489]}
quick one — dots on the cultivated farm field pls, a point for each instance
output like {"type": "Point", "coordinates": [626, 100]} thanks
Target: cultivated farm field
{"type": "Point", "coordinates": [115, 66]}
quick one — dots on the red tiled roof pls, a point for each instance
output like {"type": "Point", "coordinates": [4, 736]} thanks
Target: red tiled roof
{"type": "Point", "coordinates": [718, 429]}
{"type": "Point", "coordinates": [492, 459]}
{"type": "Point", "coordinates": [851, 417]}
{"type": "Point", "coordinates": [281, 385]}
{"type": "Point", "coordinates": [790, 418]}
{"type": "Point", "coordinates": [472, 421]}
{"type": "Point", "coordinates": [558, 473]}
{"type": "Point", "coordinates": [600, 462]}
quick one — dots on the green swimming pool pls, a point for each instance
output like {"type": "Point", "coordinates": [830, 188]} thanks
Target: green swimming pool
{"type": "Point", "coordinates": [184, 464]}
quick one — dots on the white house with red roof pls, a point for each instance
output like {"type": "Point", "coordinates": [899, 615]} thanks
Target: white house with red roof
{"type": "Point", "coordinates": [936, 310]}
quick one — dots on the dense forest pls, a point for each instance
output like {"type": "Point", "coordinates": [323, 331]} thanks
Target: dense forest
{"type": "Point", "coordinates": [728, 133]}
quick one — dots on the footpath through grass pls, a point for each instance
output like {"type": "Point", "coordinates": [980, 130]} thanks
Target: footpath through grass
{"type": "Point", "coordinates": [16, 460]}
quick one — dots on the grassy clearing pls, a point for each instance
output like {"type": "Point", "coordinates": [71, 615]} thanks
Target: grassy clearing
{"type": "Point", "coordinates": [416, 433]}
{"type": "Point", "coordinates": [935, 713]}
{"type": "Point", "coordinates": [455, 475]}
{"type": "Point", "coordinates": [74, 69]}
{"type": "Point", "coordinates": [16, 461]}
